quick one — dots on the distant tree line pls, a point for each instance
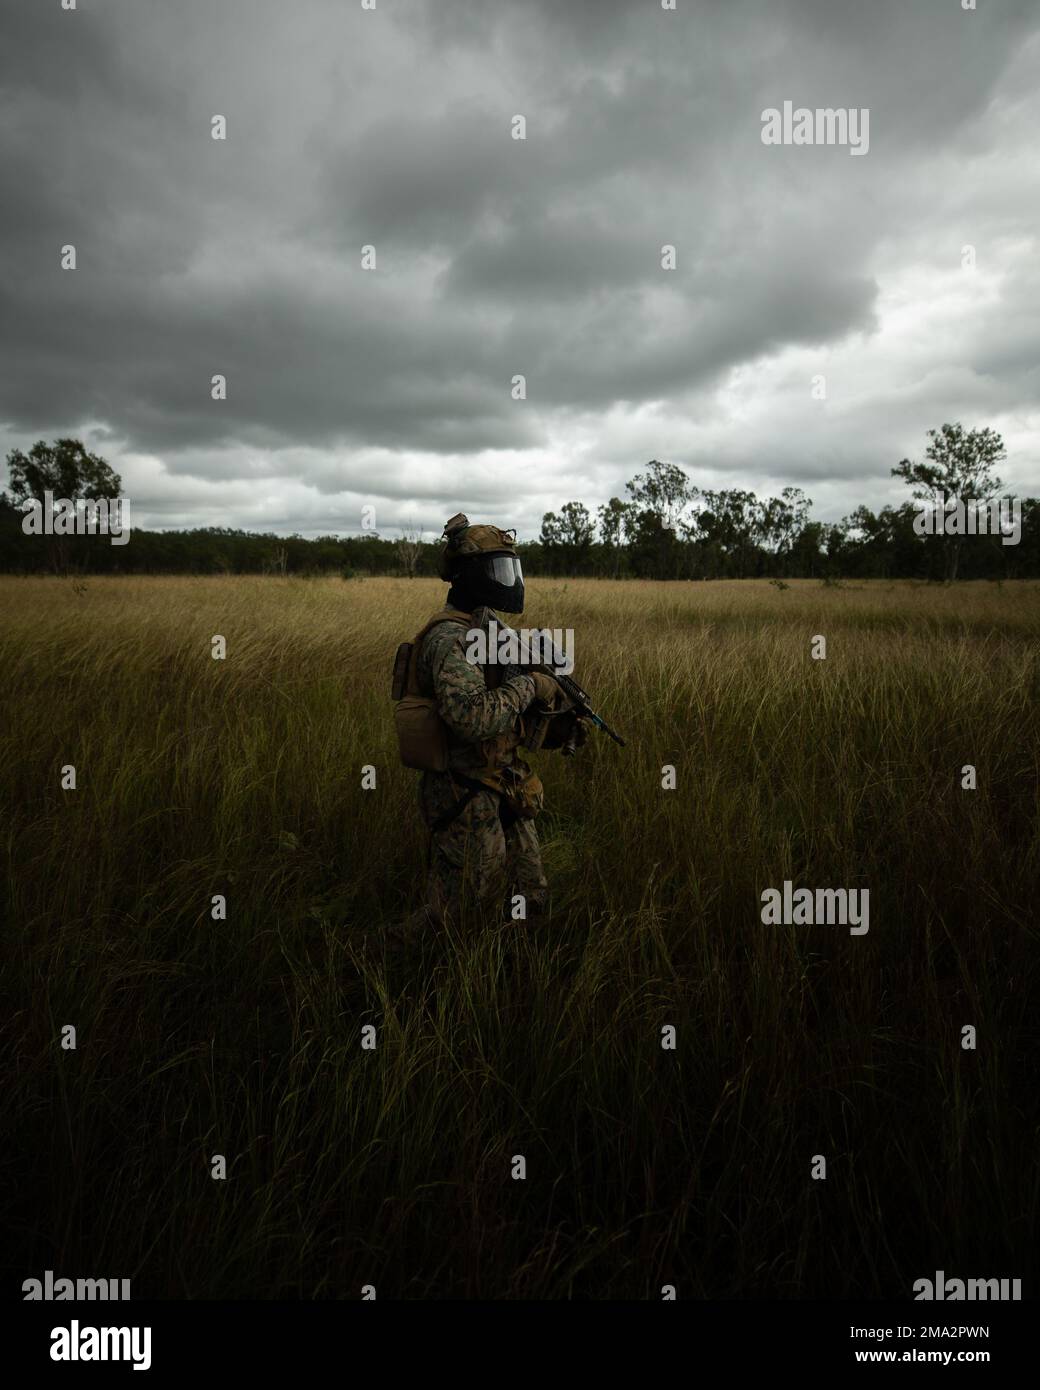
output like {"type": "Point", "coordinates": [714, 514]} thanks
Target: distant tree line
{"type": "Point", "coordinates": [666, 529]}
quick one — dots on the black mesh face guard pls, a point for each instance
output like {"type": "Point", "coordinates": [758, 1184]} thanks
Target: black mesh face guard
{"type": "Point", "coordinates": [495, 581]}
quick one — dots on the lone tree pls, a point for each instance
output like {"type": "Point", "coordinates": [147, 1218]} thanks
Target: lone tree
{"type": "Point", "coordinates": [65, 469]}
{"type": "Point", "coordinates": [409, 548]}
{"type": "Point", "coordinates": [959, 468]}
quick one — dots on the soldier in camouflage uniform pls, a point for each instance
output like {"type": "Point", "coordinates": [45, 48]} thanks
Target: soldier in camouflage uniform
{"type": "Point", "coordinates": [484, 846]}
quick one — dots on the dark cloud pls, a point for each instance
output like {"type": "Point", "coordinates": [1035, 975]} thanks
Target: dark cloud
{"type": "Point", "coordinates": [498, 257]}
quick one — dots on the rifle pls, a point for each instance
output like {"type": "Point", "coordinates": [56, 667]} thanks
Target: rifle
{"type": "Point", "coordinates": [579, 699]}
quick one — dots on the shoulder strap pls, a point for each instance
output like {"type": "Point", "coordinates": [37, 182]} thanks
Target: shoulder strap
{"type": "Point", "coordinates": [443, 615]}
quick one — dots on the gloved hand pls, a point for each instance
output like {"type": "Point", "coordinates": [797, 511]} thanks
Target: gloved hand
{"type": "Point", "coordinates": [566, 731]}
{"type": "Point", "coordinates": [579, 736]}
{"type": "Point", "coordinates": [545, 688]}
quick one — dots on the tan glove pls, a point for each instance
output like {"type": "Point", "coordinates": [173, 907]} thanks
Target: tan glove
{"type": "Point", "coordinates": [545, 688]}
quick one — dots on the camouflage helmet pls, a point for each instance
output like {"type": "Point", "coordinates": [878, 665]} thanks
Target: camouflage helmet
{"type": "Point", "coordinates": [464, 540]}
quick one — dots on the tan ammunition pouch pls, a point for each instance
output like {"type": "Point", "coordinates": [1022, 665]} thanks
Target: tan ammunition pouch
{"type": "Point", "coordinates": [422, 735]}
{"type": "Point", "coordinates": [421, 738]}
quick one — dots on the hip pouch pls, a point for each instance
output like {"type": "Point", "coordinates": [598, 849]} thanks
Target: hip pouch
{"type": "Point", "coordinates": [522, 791]}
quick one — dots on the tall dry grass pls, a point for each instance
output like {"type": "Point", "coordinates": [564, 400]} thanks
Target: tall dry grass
{"type": "Point", "coordinates": [242, 777]}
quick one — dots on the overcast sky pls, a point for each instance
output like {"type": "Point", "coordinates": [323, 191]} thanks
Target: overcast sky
{"type": "Point", "coordinates": [495, 257]}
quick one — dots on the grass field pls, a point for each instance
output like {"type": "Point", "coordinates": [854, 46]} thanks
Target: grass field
{"type": "Point", "coordinates": [392, 1167]}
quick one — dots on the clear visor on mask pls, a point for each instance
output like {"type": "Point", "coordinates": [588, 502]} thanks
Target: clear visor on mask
{"type": "Point", "coordinates": [503, 569]}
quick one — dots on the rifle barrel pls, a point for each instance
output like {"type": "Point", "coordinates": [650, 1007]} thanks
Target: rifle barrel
{"type": "Point", "coordinates": [576, 694]}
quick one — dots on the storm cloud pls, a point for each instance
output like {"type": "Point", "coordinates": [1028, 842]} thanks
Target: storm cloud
{"type": "Point", "coordinates": [497, 257]}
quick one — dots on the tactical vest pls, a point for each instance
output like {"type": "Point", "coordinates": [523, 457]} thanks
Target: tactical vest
{"type": "Point", "coordinates": [422, 735]}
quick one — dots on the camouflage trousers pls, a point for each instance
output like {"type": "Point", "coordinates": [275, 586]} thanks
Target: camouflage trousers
{"type": "Point", "coordinates": [478, 862]}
